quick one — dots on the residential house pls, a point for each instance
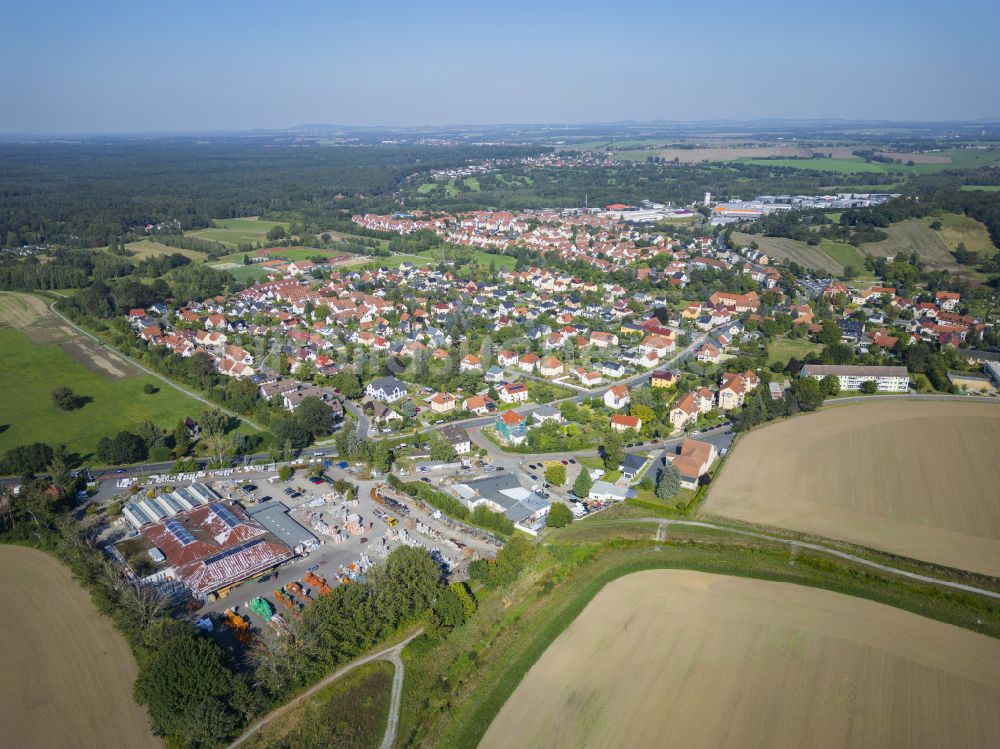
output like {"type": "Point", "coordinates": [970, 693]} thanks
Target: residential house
{"type": "Point", "coordinates": [479, 405]}
{"type": "Point", "coordinates": [708, 353]}
{"type": "Point", "coordinates": [458, 438]}
{"type": "Point", "coordinates": [624, 422]}
{"type": "Point", "coordinates": [442, 403]}
{"type": "Point", "coordinates": [551, 367]}
{"type": "Point", "coordinates": [734, 387]}
{"type": "Point", "coordinates": [617, 396]}
{"type": "Point", "coordinates": [528, 362]}
{"type": "Point", "coordinates": [693, 459]}
{"type": "Point", "coordinates": [546, 413]}
{"type": "Point", "coordinates": [511, 427]}
{"type": "Point", "coordinates": [662, 378]}
{"type": "Point", "coordinates": [386, 389]}
{"type": "Point", "coordinates": [513, 392]}
{"type": "Point", "coordinates": [470, 362]}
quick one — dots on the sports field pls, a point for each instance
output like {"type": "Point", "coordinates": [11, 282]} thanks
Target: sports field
{"type": "Point", "coordinates": [676, 658]}
{"type": "Point", "coordinates": [66, 675]}
{"type": "Point", "coordinates": [41, 353]}
{"type": "Point", "coordinates": [915, 478]}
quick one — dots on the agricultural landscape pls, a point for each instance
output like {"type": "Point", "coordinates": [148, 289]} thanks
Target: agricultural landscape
{"type": "Point", "coordinates": [656, 651]}
{"type": "Point", "coordinates": [656, 405]}
{"type": "Point", "coordinates": [66, 676]}
{"type": "Point", "coordinates": [914, 479]}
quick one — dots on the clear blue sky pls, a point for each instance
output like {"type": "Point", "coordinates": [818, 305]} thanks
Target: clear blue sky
{"type": "Point", "coordinates": [220, 64]}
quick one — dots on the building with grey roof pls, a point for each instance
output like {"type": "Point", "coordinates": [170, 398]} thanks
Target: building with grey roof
{"type": "Point", "coordinates": [274, 517]}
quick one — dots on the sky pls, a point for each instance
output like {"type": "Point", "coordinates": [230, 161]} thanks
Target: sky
{"type": "Point", "coordinates": [107, 67]}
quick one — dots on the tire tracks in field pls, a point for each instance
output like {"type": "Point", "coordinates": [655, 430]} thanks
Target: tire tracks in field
{"type": "Point", "coordinates": [796, 545]}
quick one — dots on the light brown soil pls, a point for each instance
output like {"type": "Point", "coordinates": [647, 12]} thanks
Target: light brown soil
{"type": "Point", "coordinates": [674, 658]}
{"type": "Point", "coordinates": [913, 478]}
{"type": "Point", "coordinates": [65, 674]}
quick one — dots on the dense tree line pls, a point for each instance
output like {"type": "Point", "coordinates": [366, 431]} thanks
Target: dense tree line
{"type": "Point", "coordinates": [551, 187]}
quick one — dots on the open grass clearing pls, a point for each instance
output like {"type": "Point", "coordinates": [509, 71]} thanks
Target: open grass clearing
{"type": "Point", "coordinates": [986, 188]}
{"type": "Point", "coordinates": [483, 259]}
{"type": "Point", "coordinates": [145, 248]}
{"type": "Point", "coordinates": [921, 481]}
{"type": "Point", "coordinates": [66, 675]}
{"type": "Point", "coordinates": [391, 261]}
{"type": "Point", "coordinates": [912, 235]}
{"type": "Point", "coordinates": [237, 231]}
{"type": "Point", "coordinates": [29, 372]}
{"type": "Point", "coordinates": [655, 652]}
{"type": "Point", "coordinates": [782, 348]}
{"type": "Point", "coordinates": [793, 250]}
{"type": "Point", "coordinates": [958, 228]}
{"type": "Point", "coordinates": [351, 713]}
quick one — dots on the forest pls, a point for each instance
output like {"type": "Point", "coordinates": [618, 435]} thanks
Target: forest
{"type": "Point", "coordinates": [80, 194]}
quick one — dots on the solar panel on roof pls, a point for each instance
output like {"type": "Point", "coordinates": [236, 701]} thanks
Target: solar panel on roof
{"type": "Point", "coordinates": [230, 552]}
{"type": "Point", "coordinates": [185, 497]}
{"type": "Point", "coordinates": [169, 503]}
{"type": "Point", "coordinates": [225, 515]}
{"type": "Point", "coordinates": [182, 534]}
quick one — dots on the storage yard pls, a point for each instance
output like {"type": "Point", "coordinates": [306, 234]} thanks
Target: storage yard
{"type": "Point", "coordinates": [66, 674]}
{"type": "Point", "coordinates": [315, 537]}
{"type": "Point", "coordinates": [916, 479]}
{"type": "Point", "coordinates": [656, 654]}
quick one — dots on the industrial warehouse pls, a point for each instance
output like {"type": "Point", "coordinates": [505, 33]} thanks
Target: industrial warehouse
{"type": "Point", "coordinates": [214, 546]}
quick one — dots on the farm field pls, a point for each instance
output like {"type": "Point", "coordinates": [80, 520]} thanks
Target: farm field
{"type": "Point", "coordinates": [66, 674]}
{"type": "Point", "coordinates": [41, 353]}
{"type": "Point", "coordinates": [922, 479]}
{"type": "Point", "coordinates": [237, 231]}
{"type": "Point", "coordinates": [351, 713]}
{"type": "Point", "coordinates": [656, 653]}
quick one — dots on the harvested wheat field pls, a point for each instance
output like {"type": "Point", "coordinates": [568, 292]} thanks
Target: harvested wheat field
{"type": "Point", "coordinates": [65, 675]}
{"type": "Point", "coordinates": [915, 478]}
{"type": "Point", "coordinates": [675, 658]}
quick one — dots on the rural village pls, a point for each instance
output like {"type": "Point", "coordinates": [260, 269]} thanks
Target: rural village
{"type": "Point", "coordinates": [375, 452]}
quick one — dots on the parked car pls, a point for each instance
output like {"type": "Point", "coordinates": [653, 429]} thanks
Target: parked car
{"type": "Point", "coordinates": [426, 480]}
{"type": "Point", "coordinates": [573, 461]}
{"type": "Point", "coordinates": [564, 462]}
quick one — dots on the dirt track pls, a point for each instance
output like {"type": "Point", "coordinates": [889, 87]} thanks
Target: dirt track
{"type": "Point", "coordinates": [674, 658]}
{"type": "Point", "coordinates": [913, 478]}
{"type": "Point", "coordinates": [65, 675]}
